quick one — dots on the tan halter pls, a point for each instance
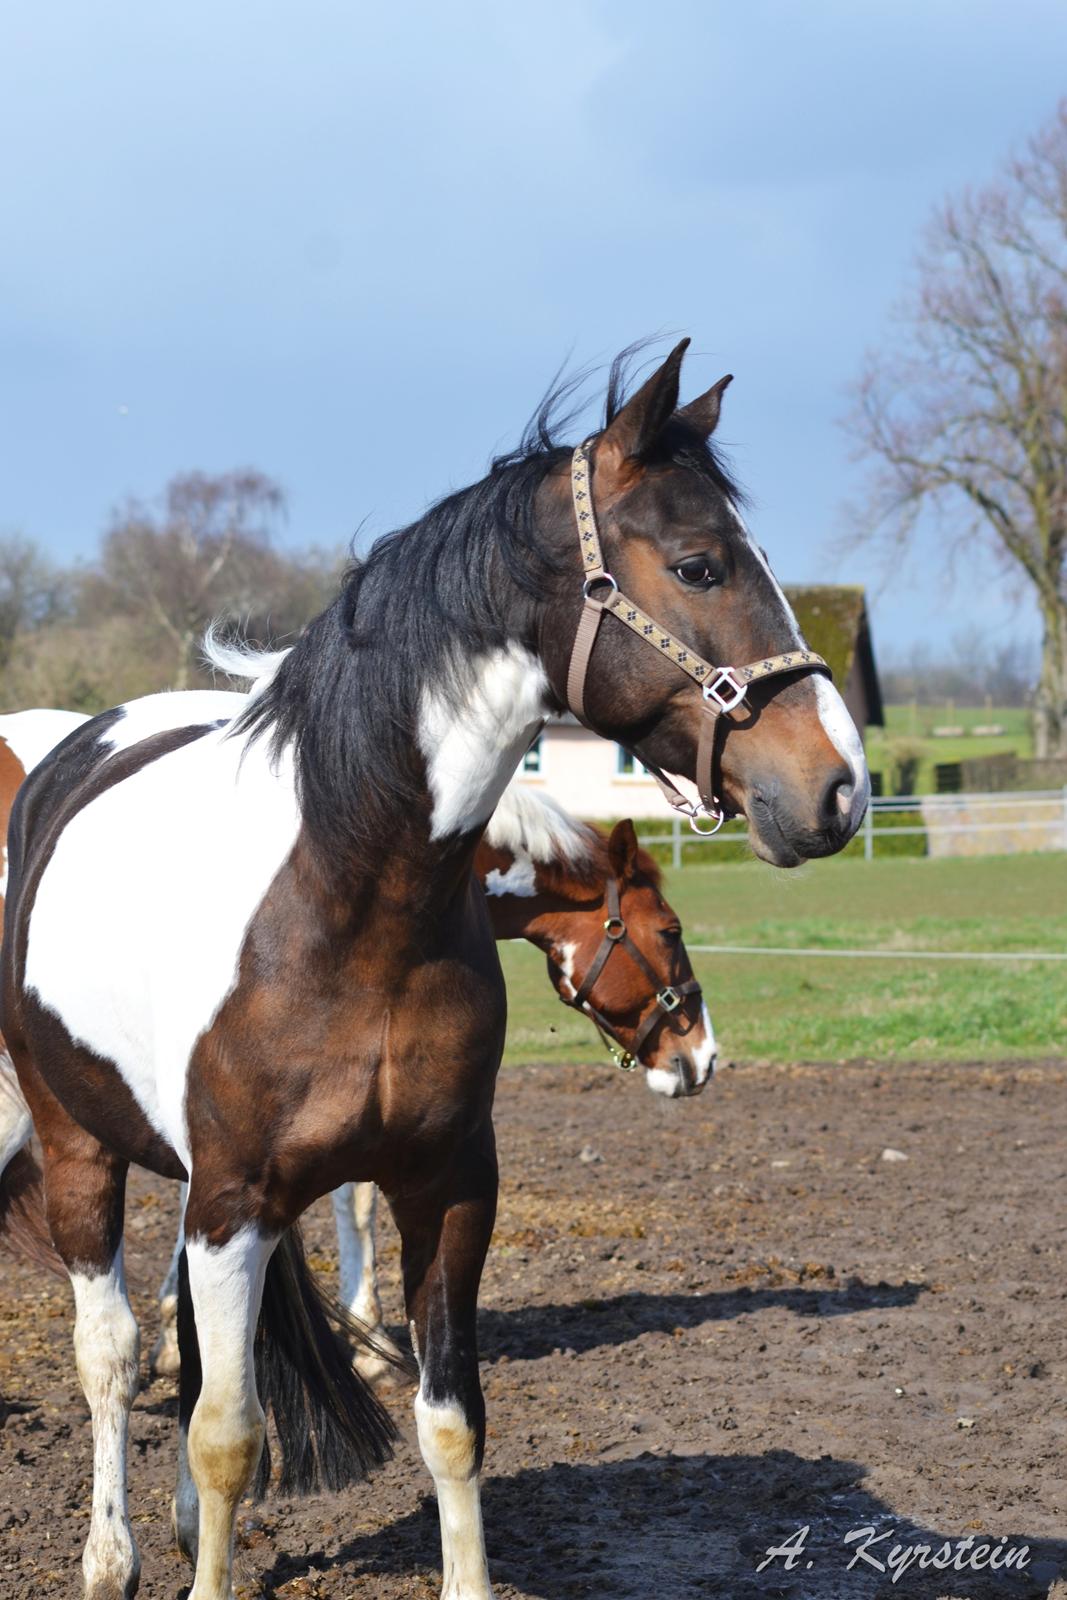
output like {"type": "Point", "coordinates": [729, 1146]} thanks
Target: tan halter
{"type": "Point", "coordinates": [723, 688]}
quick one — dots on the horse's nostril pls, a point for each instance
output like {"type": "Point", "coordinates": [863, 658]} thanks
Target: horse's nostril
{"type": "Point", "coordinates": [845, 791]}
{"type": "Point", "coordinates": [838, 797]}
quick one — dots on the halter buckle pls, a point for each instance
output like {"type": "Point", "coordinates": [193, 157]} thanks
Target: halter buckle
{"type": "Point", "coordinates": [615, 928]}
{"type": "Point", "coordinates": [669, 999]}
{"type": "Point", "coordinates": [727, 698]}
{"type": "Point", "coordinates": [597, 578]}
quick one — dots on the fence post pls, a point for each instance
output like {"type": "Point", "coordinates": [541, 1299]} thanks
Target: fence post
{"type": "Point", "coordinates": [868, 831]}
{"type": "Point", "coordinates": [676, 837]}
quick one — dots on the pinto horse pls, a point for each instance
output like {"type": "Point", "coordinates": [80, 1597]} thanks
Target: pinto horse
{"type": "Point", "coordinates": [256, 956]}
{"type": "Point", "coordinates": [591, 903]}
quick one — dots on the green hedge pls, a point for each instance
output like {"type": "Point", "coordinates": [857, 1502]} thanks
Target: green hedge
{"type": "Point", "coordinates": [730, 846]}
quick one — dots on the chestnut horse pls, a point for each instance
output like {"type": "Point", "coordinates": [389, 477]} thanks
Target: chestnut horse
{"type": "Point", "coordinates": [256, 955]}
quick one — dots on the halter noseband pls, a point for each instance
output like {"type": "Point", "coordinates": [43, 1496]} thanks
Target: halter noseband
{"type": "Point", "coordinates": [668, 996]}
{"type": "Point", "coordinates": [723, 688]}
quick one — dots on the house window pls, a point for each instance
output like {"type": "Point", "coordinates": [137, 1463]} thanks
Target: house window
{"type": "Point", "coordinates": [534, 759]}
{"type": "Point", "coordinates": [627, 765]}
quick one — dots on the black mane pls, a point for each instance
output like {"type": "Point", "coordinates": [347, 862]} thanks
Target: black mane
{"type": "Point", "coordinates": [424, 603]}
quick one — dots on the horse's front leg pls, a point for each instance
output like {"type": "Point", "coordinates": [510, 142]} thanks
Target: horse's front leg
{"type": "Point", "coordinates": [355, 1207]}
{"type": "Point", "coordinates": [445, 1239]}
{"type": "Point", "coordinates": [226, 1429]}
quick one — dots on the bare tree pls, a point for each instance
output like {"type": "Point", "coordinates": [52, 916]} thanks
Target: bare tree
{"type": "Point", "coordinates": [33, 592]}
{"type": "Point", "coordinates": [202, 555]}
{"type": "Point", "coordinates": [967, 414]}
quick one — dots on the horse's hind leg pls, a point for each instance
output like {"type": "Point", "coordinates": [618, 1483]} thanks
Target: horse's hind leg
{"type": "Point", "coordinates": [85, 1187]}
{"type": "Point", "coordinates": [445, 1241]}
{"type": "Point", "coordinates": [355, 1207]}
{"type": "Point", "coordinates": [226, 1429]}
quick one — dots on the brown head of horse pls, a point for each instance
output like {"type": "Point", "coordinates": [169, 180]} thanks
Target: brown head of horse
{"type": "Point", "coordinates": [705, 666]}
{"type": "Point", "coordinates": [593, 903]}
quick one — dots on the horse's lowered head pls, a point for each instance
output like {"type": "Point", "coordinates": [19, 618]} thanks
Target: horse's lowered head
{"type": "Point", "coordinates": [685, 575]}
{"type": "Point", "coordinates": [614, 946]}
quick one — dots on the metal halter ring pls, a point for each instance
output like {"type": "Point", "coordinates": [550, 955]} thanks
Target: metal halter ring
{"type": "Point", "coordinates": [615, 928]}
{"type": "Point", "coordinates": [716, 818]}
{"type": "Point", "coordinates": [599, 577]}
{"type": "Point", "coordinates": [669, 999]}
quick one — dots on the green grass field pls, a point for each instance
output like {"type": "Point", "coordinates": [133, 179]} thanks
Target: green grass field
{"type": "Point", "coordinates": [798, 1008]}
{"type": "Point", "coordinates": [917, 723]}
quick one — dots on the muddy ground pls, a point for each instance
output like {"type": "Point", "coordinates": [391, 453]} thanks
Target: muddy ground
{"type": "Point", "coordinates": [731, 1319]}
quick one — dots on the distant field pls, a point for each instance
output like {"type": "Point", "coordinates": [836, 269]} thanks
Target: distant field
{"type": "Point", "coordinates": [801, 1008]}
{"type": "Point", "coordinates": [907, 722]}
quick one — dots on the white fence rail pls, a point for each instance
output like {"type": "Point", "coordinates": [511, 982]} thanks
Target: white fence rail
{"type": "Point", "coordinates": [1004, 819]}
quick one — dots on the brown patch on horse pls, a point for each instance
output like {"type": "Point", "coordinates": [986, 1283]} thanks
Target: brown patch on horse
{"type": "Point", "coordinates": [12, 774]}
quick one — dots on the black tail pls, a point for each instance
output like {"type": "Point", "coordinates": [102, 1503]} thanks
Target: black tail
{"type": "Point", "coordinates": [23, 1224]}
{"type": "Point", "coordinates": [332, 1429]}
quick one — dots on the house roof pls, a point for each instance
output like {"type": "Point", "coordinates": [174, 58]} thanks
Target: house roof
{"type": "Point", "coordinates": [833, 620]}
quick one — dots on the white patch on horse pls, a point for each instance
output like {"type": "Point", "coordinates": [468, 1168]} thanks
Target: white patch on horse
{"type": "Point", "coordinates": [788, 615]}
{"type": "Point", "coordinates": [472, 750]}
{"type": "Point", "coordinates": [520, 879]}
{"type": "Point", "coordinates": [176, 708]}
{"type": "Point", "coordinates": [32, 735]}
{"type": "Point", "coordinates": [842, 734]}
{"type": "Point", "coordinates": [703, 1057]}
{"type": "Point", "coordinates": [447, 1442]}
{"type": "Point", "coordinates": [203, 830]}
{"type": "Point", "coordinates": [565, 954]}
{"type": "Point", "coordinates": [106, 1345]}
{"type": "Point", "coordinates": [15, 1123]}
{"type": "Point", "coordinates": [532, 824]}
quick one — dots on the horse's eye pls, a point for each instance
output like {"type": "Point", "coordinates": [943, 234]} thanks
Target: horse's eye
{"type": "Point", "coordinates": [670, 935]}
{"type": "Point", "coordinates": [696, 572]}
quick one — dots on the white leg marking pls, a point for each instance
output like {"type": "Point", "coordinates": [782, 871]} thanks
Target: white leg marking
{"type": "Point", "coordinates": [447, 1442]}
{"type": "Point", "coordinates": [226, 1430]}
{"type": "Point", "coordinates": [106, 1346]}
{"type": "Point", "coordinates": [472, 751]}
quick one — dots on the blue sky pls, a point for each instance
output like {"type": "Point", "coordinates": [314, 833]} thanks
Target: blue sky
{"type": "Point", "coordinates": [350, 244]}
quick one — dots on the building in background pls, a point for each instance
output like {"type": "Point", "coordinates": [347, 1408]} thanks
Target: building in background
{"type": "Point", "coordinates": [594, 778]}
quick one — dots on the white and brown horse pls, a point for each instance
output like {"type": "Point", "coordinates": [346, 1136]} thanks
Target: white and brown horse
{"type": "Point", "coordinates": [287, 978]}
{"type": "Point", "coordinates": [592, 903]}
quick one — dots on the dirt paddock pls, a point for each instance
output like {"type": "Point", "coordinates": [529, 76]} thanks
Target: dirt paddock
{"type": "Point", "coordinates": [705, 1327]}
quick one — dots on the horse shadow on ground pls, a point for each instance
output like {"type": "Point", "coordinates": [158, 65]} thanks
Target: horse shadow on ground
{"type": "Point", "coordinates": [530, 1331]}
{"type": "Point", "coordinates": [689, 1526]}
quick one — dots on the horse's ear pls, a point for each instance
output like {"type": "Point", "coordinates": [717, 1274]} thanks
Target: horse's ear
{"type": "Point", "coordinates": [702, 414]}
{"type": "Point", "coordinates": [622, 849]}
{"type": "Point", "coordinates": [633, 431]}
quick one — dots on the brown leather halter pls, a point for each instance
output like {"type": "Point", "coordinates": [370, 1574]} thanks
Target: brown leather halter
{"type": "Point", "coordinates": [668, 997]}
{"type": "Point", "coordinates": [723, 688]}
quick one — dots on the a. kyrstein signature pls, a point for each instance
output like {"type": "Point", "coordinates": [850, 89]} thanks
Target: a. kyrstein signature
{"type": "Point", "coordinates": [868, 1547]}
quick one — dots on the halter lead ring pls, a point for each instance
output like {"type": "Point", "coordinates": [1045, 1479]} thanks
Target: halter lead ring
{"type": "Point", "coordinates": [723, 689]}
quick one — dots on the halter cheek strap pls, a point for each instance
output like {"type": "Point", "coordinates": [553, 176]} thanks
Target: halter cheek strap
{"type": "Point", "coordinates": [723, 688]}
